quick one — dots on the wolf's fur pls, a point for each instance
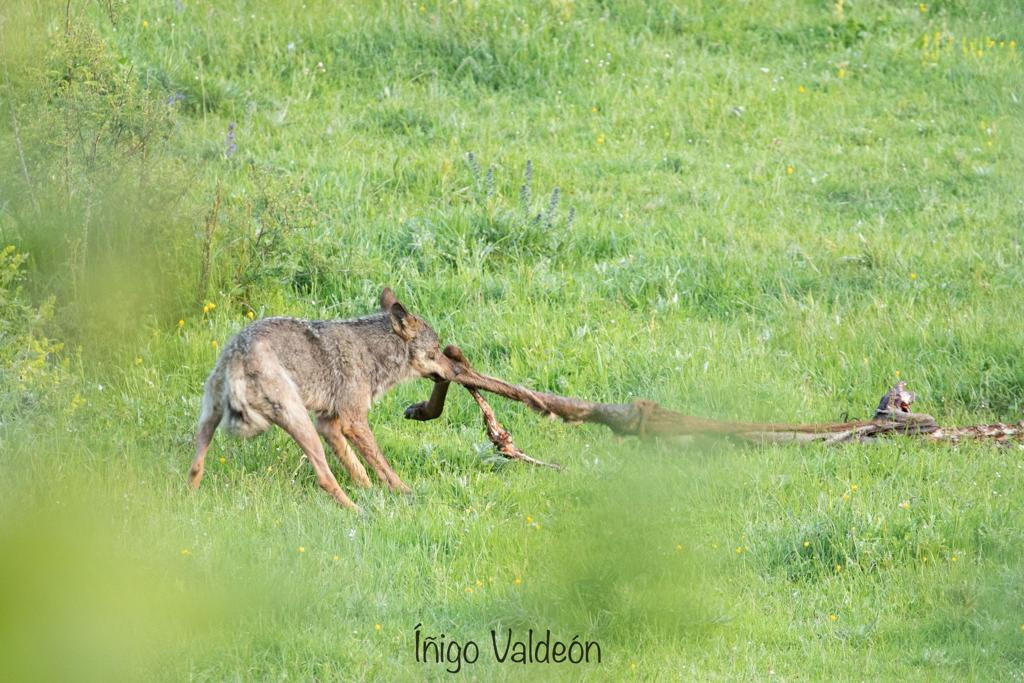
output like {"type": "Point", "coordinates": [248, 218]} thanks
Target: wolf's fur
{"type": "Point", "coordinates": [276, 370]}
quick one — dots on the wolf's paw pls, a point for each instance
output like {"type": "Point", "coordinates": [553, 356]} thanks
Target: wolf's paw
{"type": "Point", "coordinates": [400, 487]}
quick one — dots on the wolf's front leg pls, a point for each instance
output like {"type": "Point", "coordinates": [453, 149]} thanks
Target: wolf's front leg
{"type": "Point", "coordinates": [330, 428]}
{"type": "Point", "coordinates": [296, 422]}
{"type": "Point", "coordinates": [357, 430]}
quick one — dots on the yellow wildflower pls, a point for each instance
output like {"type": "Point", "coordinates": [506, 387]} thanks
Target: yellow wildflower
{"type": "Point", "coordinates": [789, 170]}
{"type": "Point", "coordinates": [250, 315]}
{"type": "Point", "coordinates": [302, 548]}
{"type": "Point", "coordinates": [905, 505]}
{"type": "Point", "coordinates": [479, 583]}
{"type": "Point", "coordinates": [376, 627]}
{"type": "Point", "coordinates": [517, 581]}
{"type": "Point", "coordinates": [802, 89]}
{"type": "Point", "coordinates": [145, 24]}
{"type": "Point", "coordinates": [181, 323]}
{"type": "Point", "coordinates": [138, 360]}
{"type": "Point", "coordinates": [186, 552]}
{"type": "Point", "coordinates": [335, 558]}
{"type": "Point", "coordinates": [853, 487]}
{"type": "Point", "coordinates": [913, 276]}
{"type": "Point", "coordinates": [213, 344]}
{"type": "Point", "coordinates": [807, 544]}
{"type": "Point", "coordinates": [833, 617]}
{"type": "Point", "coordinates": [922, 8]}
{"type": "Point", "coordinates": [600, 138]}
{"type": "Point", "coordinates": [679, 547]}
{"type": "Point", "coordinates": [223, 460]}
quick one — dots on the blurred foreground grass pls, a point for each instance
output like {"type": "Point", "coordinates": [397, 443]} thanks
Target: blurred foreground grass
{"type": "Point", "coordinates": [765, 211]}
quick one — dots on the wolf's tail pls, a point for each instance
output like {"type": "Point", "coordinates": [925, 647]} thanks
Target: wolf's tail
{"type": "Point", "coordinates": [239, 418]}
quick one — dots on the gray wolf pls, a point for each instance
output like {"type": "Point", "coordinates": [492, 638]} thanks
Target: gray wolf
{"type": "Point", "coordinates": [278, 370]}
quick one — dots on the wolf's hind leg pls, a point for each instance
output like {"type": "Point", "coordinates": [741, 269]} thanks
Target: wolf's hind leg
{"type": "Point", "coordinates": [330, 428]}
{"type": "Point", "coordinates": [204, 435]}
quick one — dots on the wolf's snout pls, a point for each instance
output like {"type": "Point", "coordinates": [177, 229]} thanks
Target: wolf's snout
{"type": "Point", "coordinates": [448, 371]}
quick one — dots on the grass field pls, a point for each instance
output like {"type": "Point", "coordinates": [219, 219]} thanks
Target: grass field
{"type": "Point", "coordinates": [764, 210]}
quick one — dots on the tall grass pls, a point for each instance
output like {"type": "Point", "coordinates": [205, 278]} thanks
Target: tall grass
{"type": "Point", "coordinates": [766, 210]}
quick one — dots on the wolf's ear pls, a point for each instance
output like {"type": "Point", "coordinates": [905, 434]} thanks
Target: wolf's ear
{"type": "Point", "coordinates": [387, 299]}
{"type": "Point", "coordinates": [403, 323]}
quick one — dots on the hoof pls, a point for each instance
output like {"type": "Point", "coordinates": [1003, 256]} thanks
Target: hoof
{"type": "Point", "coordinates": [414, 412]}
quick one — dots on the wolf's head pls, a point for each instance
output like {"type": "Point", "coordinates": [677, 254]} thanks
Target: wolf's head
{"type": "Point", "coordinates": [425, 355]}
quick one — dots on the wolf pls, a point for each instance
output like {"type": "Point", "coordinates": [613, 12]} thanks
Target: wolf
{"type": "Point", "coordinates": [277, 371]}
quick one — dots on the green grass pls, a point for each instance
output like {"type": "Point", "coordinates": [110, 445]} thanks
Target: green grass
{"type": "Point", "coordinates": [779, 207]}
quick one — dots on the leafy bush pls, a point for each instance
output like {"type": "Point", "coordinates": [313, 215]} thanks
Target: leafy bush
{"type": "Point", "coordinates": [28, 372]}
{"type": "Point", "coordinates": [93, 193]}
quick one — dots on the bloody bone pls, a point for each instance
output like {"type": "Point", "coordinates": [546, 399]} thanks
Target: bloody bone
{"type": "Point", "coordinates": [646, 418]}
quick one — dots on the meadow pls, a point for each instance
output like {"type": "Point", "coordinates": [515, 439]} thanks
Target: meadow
{"type": "Point", "coordinates": [756, 210]}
